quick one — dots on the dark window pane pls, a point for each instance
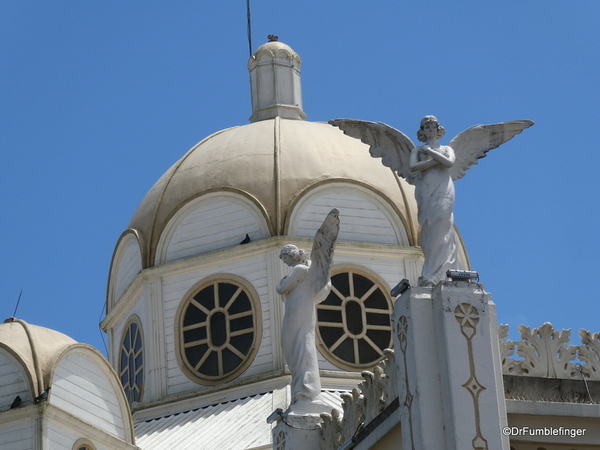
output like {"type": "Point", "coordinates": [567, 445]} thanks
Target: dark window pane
{"type": "Point", "coordinates": [361, 285]}
{"type": "Point", "coordinates": [354, 317]}
{"type": "Point", "coordinates": [330, 335]}
{"type": "Point", "coordinates": [138, 362]}
{"type": "Point", "coordinates": [218, 329]}
{"type": "Point", "coordinates": [242, 342]}
{"type": "Point", "coordinates": [366, 353]}
{"type": "Point", "coordinates": [127, 341]}
{"type": "Point", "coordinates": [230, 361]}
{"type": "Point", "coordinates": [332, 299]}
{"type": "Point", "coordinates": [376, 300]}
{"type": "Point", "coordinates": [210, 366]}
{"type": "Point", "coordinates": [345, 351]}
{"type": "Point", "coordinates": [241, 304]}
{"type": "Point", "coordinates": [381, 338]}
{"type": "Point", "coordinates": [124, 360]}
{"type": "Point", "coordinates": [340, 281]}
{"type": "Point", "coordinates": [138, 343]}
{"type": "Point", "coordinates": [206, 297]}
{"type": "Point", "coordinates": [197, 334]}
{"type": "Point", "coordinates": [378, 319]}
{"type": "Point", "coordinates": [194, 354]}
{"type": "Point", "coordinates": [241, 323]}
{"type": "Point", "coordinates": [327, 315]}
{"type": "Point", "coordinates": [226, 291]}
{"type": "Point", "coordinates": [193, 316]}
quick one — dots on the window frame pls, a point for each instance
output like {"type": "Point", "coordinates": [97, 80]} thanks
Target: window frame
{"type": "Point", "coordinates": [185, 366]}
{"type": "Point", "coordinates": [134, 319]}
{"type": "Point", "coordinates": [324, 349]}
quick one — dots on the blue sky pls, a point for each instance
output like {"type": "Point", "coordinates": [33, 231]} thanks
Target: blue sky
{"type": "Point", "coordinates": [98, 99]}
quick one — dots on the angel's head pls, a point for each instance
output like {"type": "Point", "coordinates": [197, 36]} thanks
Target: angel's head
{"type": "Point", "coordinates": [292, 255]}
{"type": "Point", "coordinates": [426, 121]}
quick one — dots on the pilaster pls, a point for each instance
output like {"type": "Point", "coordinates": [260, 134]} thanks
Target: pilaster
{"type": "Point", "coordinates": [450, 378]}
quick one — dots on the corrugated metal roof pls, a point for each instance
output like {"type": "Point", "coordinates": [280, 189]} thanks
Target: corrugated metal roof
{"type": "Point", "coordinates": [236, 425]}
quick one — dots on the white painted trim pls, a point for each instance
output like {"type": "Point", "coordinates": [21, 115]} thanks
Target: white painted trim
{"type": "Point", "coordinates": [87, 351]}
{"type": "Point", "coordinates": [127, 239]}
{"type": "Point", "coordinates": [213, 197]}
{"type": "Point", "coordinates": [242, 251]}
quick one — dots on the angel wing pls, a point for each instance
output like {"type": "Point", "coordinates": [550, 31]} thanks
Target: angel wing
{"type": "Point", "coordinates": [474, 143]}
{"type": "Point", "coordinates": [322, 251]}
{"type": "Point", "coordinates": [387, 143]}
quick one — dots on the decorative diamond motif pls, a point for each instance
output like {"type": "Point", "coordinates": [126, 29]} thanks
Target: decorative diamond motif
{"type": "Point", "coordinates": [468, 318]}
{"type": "Point", "coordinates": [474, 387]}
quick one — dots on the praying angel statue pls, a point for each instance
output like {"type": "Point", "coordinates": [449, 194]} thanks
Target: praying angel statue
{"type": "Point", "coordinates": [306, 285]}
{"type": "Point", "coordinates": [432, 168]}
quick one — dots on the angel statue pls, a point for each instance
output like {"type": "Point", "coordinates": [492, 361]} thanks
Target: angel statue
{"type": "Point", "coordinates": [306, 285]}
{"type": "Point", "coordinates": [432, 168]}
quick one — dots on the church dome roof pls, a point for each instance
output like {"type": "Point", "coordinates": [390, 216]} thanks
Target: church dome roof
{"type": "Point", "coordinates": [273, 162]}
{"type": "Point", "coordinates": [37, 349]}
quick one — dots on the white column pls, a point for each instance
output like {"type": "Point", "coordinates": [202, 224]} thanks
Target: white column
{"type": "Point", "coordinates": [450, 378]}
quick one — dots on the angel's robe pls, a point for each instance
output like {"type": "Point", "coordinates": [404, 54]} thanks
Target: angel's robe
{"type": "Point", "coordinates": [298, 336]}
{"type": "Point", "coordinates": [434, 192]}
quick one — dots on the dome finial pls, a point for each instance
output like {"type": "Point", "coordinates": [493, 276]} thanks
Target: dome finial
{"type": "Point", "coordinates": [275, 82]}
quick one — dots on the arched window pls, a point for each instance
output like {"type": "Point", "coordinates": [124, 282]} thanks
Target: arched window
{"type": "Point", "coordinates": [218, 329]}
{"type": "Point", "coordinates": [83, 444]}
{"type": "Point", "coordinates": [131, 363]}
{"type": "Point", "coordinates": [353, 323]}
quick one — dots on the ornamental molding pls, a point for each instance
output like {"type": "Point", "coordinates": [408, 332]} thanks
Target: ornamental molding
{"type": "Point", "coordinates": [362, 405]}
{"type": "Point", "coordinates": [546, 353]}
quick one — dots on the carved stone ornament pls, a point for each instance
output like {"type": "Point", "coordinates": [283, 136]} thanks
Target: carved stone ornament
{"type": "Point", "coordinates": [307, 284]}
{"type": "Point", "coordinates": [432, 168]}
{"type": "Point", "coordinates": [362, 405]}
{"type": "Point", "coordinates": [545, 353]}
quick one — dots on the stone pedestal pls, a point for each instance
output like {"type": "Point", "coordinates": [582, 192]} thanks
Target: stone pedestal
{"type": "Point", "coordinates": [297, 433]}
{"type": "Point", "coordinates": [450, 377]}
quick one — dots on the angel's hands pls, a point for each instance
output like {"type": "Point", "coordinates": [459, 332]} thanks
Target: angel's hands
{"type": "Point", "coordinates": [442, 155]}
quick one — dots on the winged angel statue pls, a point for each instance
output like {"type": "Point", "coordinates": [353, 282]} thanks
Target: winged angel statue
{"type": "Point", "coordinates": [307, 284]}
{"type": "Point", "coordinates": [432, 168]}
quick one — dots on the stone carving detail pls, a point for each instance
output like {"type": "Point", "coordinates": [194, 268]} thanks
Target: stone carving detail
{"type": "Point", "coordinates": [307, 284]}
{"type": "Point", "coordinates": [507, 349]}
{"type": "Point", "coordinates": [589, 353]}
{"type": "Point", "coordinates": [362, 405]}
{"type": "Point", "coordinates": [545, 353]}
{"type": "Point", "coordinates": [402, 328]}
{"type": "Point", "coordinates": [432, 168]}
{"type": "Point", "coordinates": [468, 318]}
{"type": "Point", "coordinates": [280, 444]}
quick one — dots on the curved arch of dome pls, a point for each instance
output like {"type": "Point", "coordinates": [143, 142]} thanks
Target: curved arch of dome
{"type": "Point", "coordinates": [257, 328]}
{"type": "Point", "coordinates": [126, 263]}
{"type": "Point", "coordinates": [89, 352]}
{"type": "Point", "coordinates": [23, 388]}
{"type": "Point", "coordinates": [154, 229]}
{"type": "Point", "coordinates": [352, 199]}
{"type": "Point", "coordinates": [210, 232]}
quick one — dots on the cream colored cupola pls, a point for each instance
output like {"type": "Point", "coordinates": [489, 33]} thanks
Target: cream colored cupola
{"type": "Point", "coordinates": [275, 82]}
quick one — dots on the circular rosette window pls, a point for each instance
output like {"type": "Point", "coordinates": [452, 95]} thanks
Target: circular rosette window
{"type": "Point", "coordinates": [353, 323]}
{"type": "Point", "coordinates": [217, 329]}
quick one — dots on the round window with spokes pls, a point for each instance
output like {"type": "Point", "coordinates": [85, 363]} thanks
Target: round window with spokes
{"type": "Point", "coordinates": [218, 329]}
{"type": "Point", "coordinates": [353, 323]}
